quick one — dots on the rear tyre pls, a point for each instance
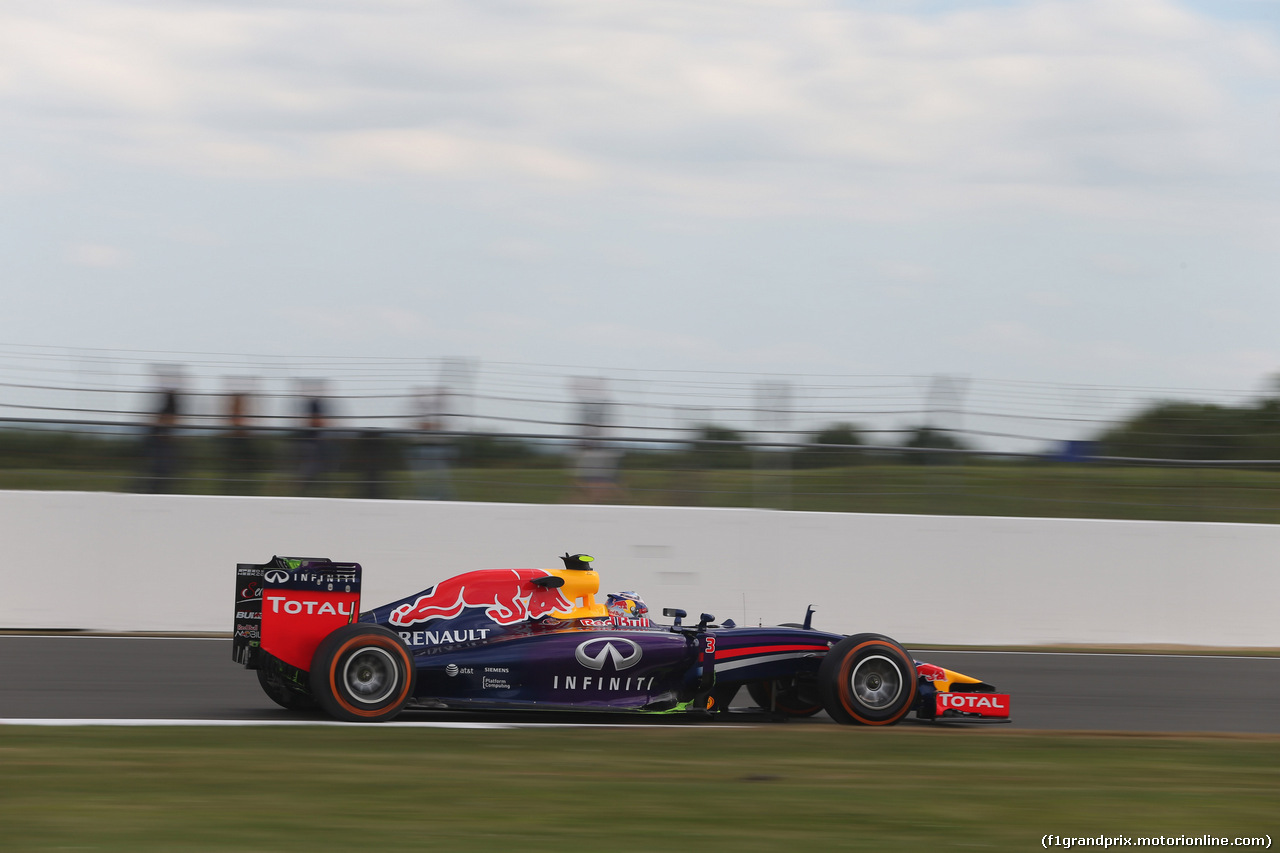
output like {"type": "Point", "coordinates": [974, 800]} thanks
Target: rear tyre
{"type": "Point", "coordinates": [867, 680]}
{"type": "Point", "coordinates": [785, 696]}
{"type": "Point", "coordinates": [362, 674]}
{"type": "Point", "coordinates": [278, 690]}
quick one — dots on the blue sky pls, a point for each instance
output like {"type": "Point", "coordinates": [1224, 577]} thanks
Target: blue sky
{"type": "Point", "coordinates": [1075, 192]}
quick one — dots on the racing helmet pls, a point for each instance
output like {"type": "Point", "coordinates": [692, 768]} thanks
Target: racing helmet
{"type": "Point", "coordinates": [625, 604]}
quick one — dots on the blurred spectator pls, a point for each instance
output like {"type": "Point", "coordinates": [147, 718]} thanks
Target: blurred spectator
{"type": "Point", "coordinates": [314, 446]}
{"type": "Point", "coordinates": [239, 448]}
{"type": "Point", "coordinates": [374, 458]}
{"type": "Point", "coordinates": [431, 453]}
{"type": "Point", "coordinates": [160, 450]}
{"type": "Point", "coordinates": [596, 468]}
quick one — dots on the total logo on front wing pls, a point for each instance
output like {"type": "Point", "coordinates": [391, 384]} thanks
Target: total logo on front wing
{"type": "Point", "coordinates": [982, 704]}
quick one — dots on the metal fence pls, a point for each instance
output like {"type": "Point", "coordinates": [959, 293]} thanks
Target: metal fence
{"type": "Point", "coordinates": [460, 429]}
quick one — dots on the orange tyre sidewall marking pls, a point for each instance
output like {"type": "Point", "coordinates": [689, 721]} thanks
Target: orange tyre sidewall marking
{"type": "Point", "coordinates": [845, 675]}
{"type": "Point", "coordinates": [384, 643]}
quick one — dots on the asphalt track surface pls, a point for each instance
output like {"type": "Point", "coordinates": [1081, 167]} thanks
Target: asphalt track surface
{"type": "Point", "coordinates": [136, 678]}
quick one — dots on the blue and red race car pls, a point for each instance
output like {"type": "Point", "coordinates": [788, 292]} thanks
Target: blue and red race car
{"type": "Point", "coordinates": [525, 639]}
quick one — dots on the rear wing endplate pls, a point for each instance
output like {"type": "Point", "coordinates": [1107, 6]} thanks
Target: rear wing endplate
{"type": "Point", "coordinates": [306, 598]}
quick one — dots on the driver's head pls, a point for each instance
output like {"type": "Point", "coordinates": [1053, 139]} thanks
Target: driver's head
{"type": "Point", "coordinates": [625, 604]}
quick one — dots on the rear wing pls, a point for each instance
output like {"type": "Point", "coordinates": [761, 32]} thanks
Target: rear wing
{"type": "Point", "coordinates": [285, 607]}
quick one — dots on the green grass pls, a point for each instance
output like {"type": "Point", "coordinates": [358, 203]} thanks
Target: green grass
{"type": "Point", "coordinates": [804, 788]}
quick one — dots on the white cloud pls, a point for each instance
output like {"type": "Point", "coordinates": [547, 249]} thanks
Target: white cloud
{"type": "Point", "coordinates": [444, 154]}
{"type": "Point", "coordinates": [908, 272]}
{"type": "Point", "coordinates": [523, 251]}
{"type": "Point", "coordinates": [1225, 369]}
{"type": "Point", "coordinates": [97, 256]}
{"type": "Point", "coordinates": [1009, 337]}
{"type": "Point", "coordinates": [359, 322]}
{"type": "Point", "coordinates": [744, 108]}
{"type": "Point", "coordinates": [659, 175]}
{"type": "Point", "coordinates": [1120, 265]}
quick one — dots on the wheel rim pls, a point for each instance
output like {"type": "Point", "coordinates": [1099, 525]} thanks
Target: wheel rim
{"type": "Point", "coordinates": [877, 682]}
{"type": "Point", "coordinates": [370, 675]}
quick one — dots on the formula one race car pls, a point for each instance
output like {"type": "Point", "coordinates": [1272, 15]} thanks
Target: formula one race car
{"type": "Point", "coordinates": [523, 639]}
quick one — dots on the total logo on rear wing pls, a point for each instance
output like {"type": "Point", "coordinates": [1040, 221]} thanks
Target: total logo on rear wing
{"type": "Point", "coordinates": [287, 606]}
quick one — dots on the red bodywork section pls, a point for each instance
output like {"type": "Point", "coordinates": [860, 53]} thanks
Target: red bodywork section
{"type": "Point", "coordinates": [816, 649]}
{"type": "Point", "coordinates": [930, 672]}
{"type": "Point", "coordinates": [506, 595]}
{"type": "Point", "coordinates": [294, 621]}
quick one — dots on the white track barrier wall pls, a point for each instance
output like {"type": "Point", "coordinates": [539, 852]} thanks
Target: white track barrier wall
{"type": "Point", "coordinates": [115, 562]}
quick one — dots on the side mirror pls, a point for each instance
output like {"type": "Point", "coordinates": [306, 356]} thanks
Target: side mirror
{"type": "Point", "coordinates": [705, 620]}
{"type": "Point", "coordinates": [674, 613]}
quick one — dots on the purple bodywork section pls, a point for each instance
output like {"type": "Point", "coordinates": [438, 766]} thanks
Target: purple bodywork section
{"type": "Point", "coordinates": [467, 658]}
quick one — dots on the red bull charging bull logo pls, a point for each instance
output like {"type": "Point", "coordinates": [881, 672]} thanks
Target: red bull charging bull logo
{"type": "Point", "coordinates": [506, 595]}
{"type": "Point", "coordinates": [931, 672]}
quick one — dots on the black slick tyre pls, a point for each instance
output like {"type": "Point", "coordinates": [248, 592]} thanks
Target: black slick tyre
{"type": "Point", "coordinates": [362, 674]}
{"type": "Point", "coordinates": [867, 680]}
{"type": "Point", "coordinates": [784, 696]}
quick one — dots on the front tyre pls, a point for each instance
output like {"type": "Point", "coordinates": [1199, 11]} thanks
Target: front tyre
{"type": "Point", "coordinates": [867, 680]}
{"type": "Point", "coordinates": [362, 674]}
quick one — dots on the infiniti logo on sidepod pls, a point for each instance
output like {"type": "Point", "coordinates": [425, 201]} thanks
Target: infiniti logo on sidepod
{"type": "Point", "coordinates": [276, 576]}
{"type": "Point", "coordinates": [609, 651]}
